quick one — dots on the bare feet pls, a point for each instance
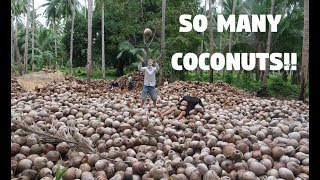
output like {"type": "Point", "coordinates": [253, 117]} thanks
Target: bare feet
{"type": "Point", "coordinates": [160, 115]}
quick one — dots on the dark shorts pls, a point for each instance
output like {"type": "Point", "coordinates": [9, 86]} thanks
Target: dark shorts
{"type": "Point", "coordinates": [149, 90]}
{"type": "Point", "coordinates": [130, 86]}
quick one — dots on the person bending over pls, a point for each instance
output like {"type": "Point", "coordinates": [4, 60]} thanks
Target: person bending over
{"type": "Point", "coordinates": [114, 85]}
{"type": "Point", "coordinates": [149, 81]}
{"type": "Point", "coordinates": [185, 105]}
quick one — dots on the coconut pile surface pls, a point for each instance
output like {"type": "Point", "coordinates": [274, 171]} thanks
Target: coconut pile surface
{"type": "Point", "coordinates": [239, 136]}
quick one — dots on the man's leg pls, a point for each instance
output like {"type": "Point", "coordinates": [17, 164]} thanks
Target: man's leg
{"type": "Point", "coordinates": [153, 94]}
{"type": "Point", "coordinates": [183, 113]}
{"type": "Point", "coordinates": [169, 111]}
{"type": "Point", "coordinates": [144, 95]}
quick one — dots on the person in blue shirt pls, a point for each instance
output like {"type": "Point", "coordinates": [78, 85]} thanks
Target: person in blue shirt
{"type": "Point", "coordinates": [149, 81]}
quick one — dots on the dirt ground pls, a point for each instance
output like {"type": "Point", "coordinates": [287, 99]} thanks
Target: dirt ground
{"type": "Point", "coordinates": [40, 79]}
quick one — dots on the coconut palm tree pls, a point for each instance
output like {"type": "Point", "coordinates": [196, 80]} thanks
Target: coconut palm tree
{"type": "Point", "coordinates": [305, 52]}
{"type": "Point", "coordinates": [18, 7]}
{"type": "Point", "coordinates": [71, 38]}
{"type": "Point", "coordinates": [44, 49]}
{"type": "Point", "coordinates": [204, 10]}
{"type": "Point", "coordinates": [131, 55]}
{"type": "Point", "coordinates": [100, 3]}
{"type": "Point", "coordinates": [67, 9]}
{"type": "Point", "coordinates": [51, 12]}
{"type": "Point", "coordinates": [25, 62]}
{"type": "Point", "coordinates": [12, 44]}
{"type": "Point", "coordinates": [163, 31]}
{"type": "Point", "coordinates": [211, 39]}
{"type": "Point", "coordinates": [15, 47]}
{"type": "Point", "coordinates": [103, 43]}
{"type": "Point", "coordinates": [33, 19]}
{"type": "Point", "coordinates": [230, 36]}
{"type": "Point", "coordinates": [263, 90]}
{"type": "Point", "coordinates": [257, 39]}
{"type": "Point", "coordinates": [289, 36]}
{"type": "Point", "coordinates": [85, 6]}
{"type": "Point", "coordinates": [89, 50]}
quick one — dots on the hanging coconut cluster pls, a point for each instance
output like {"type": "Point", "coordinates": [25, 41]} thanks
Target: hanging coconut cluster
{"type": "Point", "coordinates": [108, 136]}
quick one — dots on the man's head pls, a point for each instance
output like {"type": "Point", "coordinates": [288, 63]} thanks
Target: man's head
{"type": "Point", "coordinates": [150, 62]}
{"type": "Point", "coordinates": [193, 91]}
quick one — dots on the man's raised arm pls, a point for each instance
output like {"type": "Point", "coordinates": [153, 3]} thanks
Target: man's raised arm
{"type": "Point", "coordinates": [140, 68]}
{"type": "Point", "coordinates": [157, 67]}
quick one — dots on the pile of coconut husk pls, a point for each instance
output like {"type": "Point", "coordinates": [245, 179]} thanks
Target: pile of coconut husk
{"type": "Point", "coordinates": [110, 136]}
{"type": "Point", "coordinates": [15, 86]}
{"type": "Point", "coordinates": [137, 78]}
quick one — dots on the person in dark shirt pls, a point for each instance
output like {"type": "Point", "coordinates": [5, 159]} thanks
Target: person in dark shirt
{"type": "Point", "coordinates": [185, 105]}
{"type": "Point", "coordinates": [114, 86]}
{"type": "Point", "coordinates": [130, 83]}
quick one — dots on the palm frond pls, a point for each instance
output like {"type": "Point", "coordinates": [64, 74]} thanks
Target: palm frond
{"type": "Point", "coordinates": [69, 135]}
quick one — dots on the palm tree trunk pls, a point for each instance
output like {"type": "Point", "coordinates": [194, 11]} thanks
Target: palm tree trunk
{"type": "Point", "coordinates": [199, 72]}
{"type": "Point", "coordinates": [55, 37]}
{"type": "Point", "coordinates": [305, 52]}
{"type": "Point", "coordinates": [238, 76]}
{"type": "Point", "coordinates": [12, 43]}
{"type": "Point", "coordinates": [71, 40]}
{"type": "Point", "coordinates": [257, 73]}
{"type": "Point", "coordinates": [85, 5]}
{"type": "Point", "coordinates": [198, 68]}
{"type": "Point", "coordinates": [220, 42]}
{"type": "Point", "coordinates": [266, 72]}
{"type": "Point", "coordinates": [142, 14]}
{"type": "Point", "coordinates": [15, 39]}
{"type": "Point", "coordinates": [32, 56]}
{"type": "Point", "coordinates": [230, 36]}
{"type": "Point", "coordinates": [163, 31]}
{"type": "Point", "coordinates": [220, 47]}
{"type": "Point", "coordinates": [211, 40]}
{"type": "Point", "coordinates": [89, 60]}
{"type": "Point", "coordinates": [103, 49]}
{"type": "Point", "coordinates": [26, 42]}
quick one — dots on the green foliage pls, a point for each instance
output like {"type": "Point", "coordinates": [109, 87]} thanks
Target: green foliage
{"type": "Point", "coordinates": [279, 88]}
{"type": "Point", "coordinates": [80, 36]}
{"type": "Point", "coordinates": [229, 78]}
{"type": "Point", "coordinates": [97, 74]}
{"type": "Point", "coordinates": [276, 86]}
{"type": "Point", "coordinates": [60, 172]}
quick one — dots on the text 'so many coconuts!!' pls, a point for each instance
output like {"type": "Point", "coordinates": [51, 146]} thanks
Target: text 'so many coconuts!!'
{"type": "Point", "coordinates": [237, 136]}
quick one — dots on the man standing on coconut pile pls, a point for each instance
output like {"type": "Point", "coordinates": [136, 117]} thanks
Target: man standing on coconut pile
{"type": "Point", "coordinates": [185, 105]}
{"type": "Point", "coordinates": [149, 81]}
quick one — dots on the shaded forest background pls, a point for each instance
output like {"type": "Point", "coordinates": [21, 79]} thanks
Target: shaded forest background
{"type": "Point", "coordinates": [117, 30]}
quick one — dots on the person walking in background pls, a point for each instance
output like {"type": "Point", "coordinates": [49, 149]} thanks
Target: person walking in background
{"type": "Point", "coordinates": [130, 83]}
{"type": "Point", "coordinates": [149, 81]}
